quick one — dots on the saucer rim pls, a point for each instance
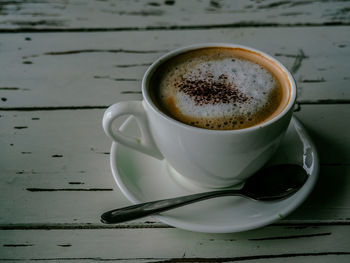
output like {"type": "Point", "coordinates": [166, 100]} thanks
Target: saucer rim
{"type": "Point", "coordinates": [302, 194]}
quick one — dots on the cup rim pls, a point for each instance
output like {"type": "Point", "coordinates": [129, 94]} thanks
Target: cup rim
{"type": "Point", "coordinates": [147, 76]}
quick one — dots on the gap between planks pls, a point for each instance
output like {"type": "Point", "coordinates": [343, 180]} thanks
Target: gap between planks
{"type": "Point", "coordinates": [194, 259]}
{"type": "Point", "coordinates": [55, 108]}
{"type": "Point", "coordinates": [153, 224]}
{"type": "Point", "coordinates": [173, 27]}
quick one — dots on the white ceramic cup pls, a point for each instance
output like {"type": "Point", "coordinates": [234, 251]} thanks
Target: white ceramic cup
{"type": "Point", "coordinates": [209, 158]}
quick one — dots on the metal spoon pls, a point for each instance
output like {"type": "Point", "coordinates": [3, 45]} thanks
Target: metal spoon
{"type": "Point", "coordinates": [269, 184]}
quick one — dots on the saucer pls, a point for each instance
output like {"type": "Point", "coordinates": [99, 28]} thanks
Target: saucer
{"type": "Point", "coordinates": [142, 178]}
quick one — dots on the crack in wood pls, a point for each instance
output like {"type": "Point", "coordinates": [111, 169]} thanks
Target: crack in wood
{"type": "Point", "coordinates": [53, 108]}
{"type": "Point", "coordinates": [215, 4]}
{"type": "Point", "coordinates": [274, 4]}
{"type": "Point", "coordinates": [9, 88]}
{"type": "Point", "coordinates": [26, 172]}
{"type": "Point", "coordinates": [106, 153]}
{"type": "Point", "coordinates": [116, 79]}
{"type": "Point", "coordinates": [171, 27]}
{"type": "Point", "coordinates": [169, 2]}
{"type": "Point", "coordinates": [64, 245]}
{"type": "Point", "coordinates": [56, 108]}
{"type": "Point", "coordinates": [34, 189]}
{"type": "Point", "coordinates": [53, 22]}
{"type": "Point", "coordinates": [156, 12]}
{"type": "Point", "coordinates": [150, 224]}
{"type": "Point", "coordinates": [190, 260]}
{"type": "Point", "coordinates": [295, 13]}
{"type": "Point", "coordinates": [253, 257]}
{"type": "Point", "coordinates": [17, 245]}
{"type": "Point", "coordinates": [13, 88]}
{"type": "Point", "coordinates": [79, 226]}
{"type": "Point", "coordinates": [84, 51]}
{"type": "Point", "coordinates": [298, 60]}
{"type": "Point", "coordinates": [313, 80]}
{"type": "Point", "coordinates": [290, 237]}
{"type": "Point", "coordinates": [99, 152]}
{"type": "Point", "coordinates": [132, 65]}
{"type": "Point", "coordinates": [126, 79]}
{"type": "Point", "coordinates": [131, 92]}
{"type": "Point", "coordinates": [324, 101]}
{"type": "Point", "coordinates": [288, 55]}
{"type": "Point", "coordinates": [80, 51]}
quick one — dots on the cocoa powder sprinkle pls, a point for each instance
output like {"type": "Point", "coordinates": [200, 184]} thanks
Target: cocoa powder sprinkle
{"type": "Point", "coordinates": [211, 91]}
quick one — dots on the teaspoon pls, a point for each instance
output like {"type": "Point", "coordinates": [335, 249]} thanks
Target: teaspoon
{"type": "Point", "coordinates": [269, 184]}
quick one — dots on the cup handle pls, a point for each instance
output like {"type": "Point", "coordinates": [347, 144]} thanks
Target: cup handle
{"type": "Point", "coordinates": [145, 143]}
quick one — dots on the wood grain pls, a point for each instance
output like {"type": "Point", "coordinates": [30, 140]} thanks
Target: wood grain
{"type": "Point", "coordinates": [63, 62]}
{"type": "Point", "coordinates": [95, 15]}
{"type": "Point", "coordinates": [274, 243]}
{"type": "Point", "coordinates": [64, 155]}
{"type": "Point", "coordinates": [87, 70]}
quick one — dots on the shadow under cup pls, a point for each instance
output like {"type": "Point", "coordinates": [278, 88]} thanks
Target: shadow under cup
{"type": "Point", "coordinates": [214, 158]}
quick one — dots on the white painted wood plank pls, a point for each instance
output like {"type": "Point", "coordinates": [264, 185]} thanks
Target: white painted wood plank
{"type": "Point", "coordinates": [54, 152]}
{"type": "Point", "coordinates": [328, 126]}
{"type": "Point", "coordinates": [293, 244]}
{"type": "Point", "coordinates": [75, 14]}
{"type": "Point", "coordinates": [94, 69]}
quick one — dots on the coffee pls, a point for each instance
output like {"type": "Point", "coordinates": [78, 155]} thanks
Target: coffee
{"type": "Point", "coordinates": [215, 86]}
{"type": "Point", "coordinates": [220, 88]}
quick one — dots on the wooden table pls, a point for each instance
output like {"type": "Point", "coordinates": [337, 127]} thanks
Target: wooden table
{"type": "Point", "coordinates": [62, 64]}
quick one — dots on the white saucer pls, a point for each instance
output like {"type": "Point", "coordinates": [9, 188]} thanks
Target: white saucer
{"type": "Point", "coordinates": [142, 178]}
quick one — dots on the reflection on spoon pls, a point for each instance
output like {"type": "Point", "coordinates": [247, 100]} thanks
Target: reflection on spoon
{"type": "Point", "coordinates": [269, 184]}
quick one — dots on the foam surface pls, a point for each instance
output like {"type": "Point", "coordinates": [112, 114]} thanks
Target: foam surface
{"type": "Point", "coordinates": [213, 92]}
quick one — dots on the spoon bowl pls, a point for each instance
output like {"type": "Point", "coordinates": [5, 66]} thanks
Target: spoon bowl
{"type": "Point", "coordinates": [275, 182]}
{"type": "Point", "coordinates": [269, 184]}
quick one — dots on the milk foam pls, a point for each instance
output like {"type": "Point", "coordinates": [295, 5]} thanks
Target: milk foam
{"type": "Point", "coordinates": [248, 78]}
{"type": "Point", "coordinates": [210, 93]}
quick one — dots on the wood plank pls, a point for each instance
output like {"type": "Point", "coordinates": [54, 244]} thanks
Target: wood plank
{"type": "Point", "coordinates": [95, 14]}
{"type": "Point", "coordinates": [55, 169]}
{"type": "Point", "coordinates": [327, 125]}
{"type": "Point", "coordinates": [98, 69]}
{"type": "Point", "coordinates": [272, 244]}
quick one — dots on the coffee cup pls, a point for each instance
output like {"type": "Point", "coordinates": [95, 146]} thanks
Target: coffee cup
{"type": "Point", "coordinates": [215, 113]}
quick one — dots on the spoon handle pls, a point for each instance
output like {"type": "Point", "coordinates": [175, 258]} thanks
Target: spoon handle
{"type": "Point", "coordinates": [154, 207]}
